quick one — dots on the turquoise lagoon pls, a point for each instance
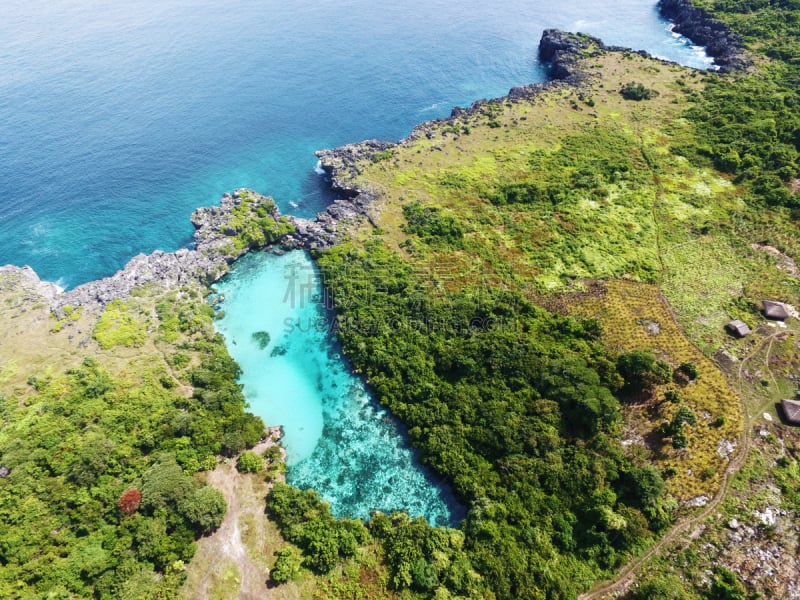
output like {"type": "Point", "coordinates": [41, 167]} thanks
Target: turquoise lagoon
{"type": "Point", "coordinates": [338, 440]}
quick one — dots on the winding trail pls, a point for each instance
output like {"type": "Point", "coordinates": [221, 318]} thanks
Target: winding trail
{"type": "Point", "coordinates": [627, 575]}
{"type": "Point", "coordinates": [227, 564]}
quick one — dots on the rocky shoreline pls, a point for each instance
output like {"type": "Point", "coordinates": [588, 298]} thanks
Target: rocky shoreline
{"type": "Point", "coordinates": [214, 251]}
{"type": "Point", "coordinates": [209, 259]}
{"type": "Point", "coordinates": [721, 43]}
{"type": "Point", "coordinates": [561, 50]}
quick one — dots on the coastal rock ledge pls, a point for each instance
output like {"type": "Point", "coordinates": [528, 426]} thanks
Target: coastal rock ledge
{"type": "Point", "coordinates": [217, 229]}
{"type": "Point", "coordinates": [562, 51]}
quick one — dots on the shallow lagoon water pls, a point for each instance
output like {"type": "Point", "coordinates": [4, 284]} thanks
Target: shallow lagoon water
{"type": "Point", "coordinates": [118, 119]}
{"type": "Point", "coordinates": [337, 439]}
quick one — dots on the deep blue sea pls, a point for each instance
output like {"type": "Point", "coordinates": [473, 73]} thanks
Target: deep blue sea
{"type": "Point", "coordinates": [117, 119]}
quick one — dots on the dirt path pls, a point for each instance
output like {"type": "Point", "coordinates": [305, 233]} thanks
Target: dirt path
{"type": "Point", "coordinates": [233, 562]}
{"type": "Point", "coordinates": [627, 575]}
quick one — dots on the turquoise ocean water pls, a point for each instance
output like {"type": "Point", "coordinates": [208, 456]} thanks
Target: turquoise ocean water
{"type": "Point", "coordinates": [118, 119]}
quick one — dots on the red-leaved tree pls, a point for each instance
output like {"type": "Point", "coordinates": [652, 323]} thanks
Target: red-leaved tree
{"type": "Point", "coordinates": [129, 501]}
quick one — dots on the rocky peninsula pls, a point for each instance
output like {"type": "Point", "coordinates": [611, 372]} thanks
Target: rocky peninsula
{"type": "Point", "coordinates": [703, 29]}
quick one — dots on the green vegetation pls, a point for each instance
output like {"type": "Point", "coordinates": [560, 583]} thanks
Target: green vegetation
{"type": "Point", "coordinates": [254, 223]}
{"type": "Point", "coordinates": [249, 462]}
{"type": "Point", "coordinates": [433, 225]}
{"type": "Point", "coordinates": [288, 561]}
{"type": "Point", "coordinates": [100, 499]}
{"type": "Point", "coordinates": [514, 406]}
{"type": "Point", "coordinates": [573, 251]}
{"type": "Point", "coordinates": [307, 522]}
{"type": "Point", "coordinates": [641, 371]}
{"type": "Point", "coordinates": [636, 91]}
{"type": "Point", "coordinates": [751, 124]}
{"type": "Point", "coordinates": [120, 326]}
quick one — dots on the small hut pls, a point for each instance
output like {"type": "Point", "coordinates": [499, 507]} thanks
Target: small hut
{"type": "Point", "coordinates": [775, 310]}
{"type": "Point", "coordinates": [791, 410]}
{"type": "Point", "coordinates": [738, 328]}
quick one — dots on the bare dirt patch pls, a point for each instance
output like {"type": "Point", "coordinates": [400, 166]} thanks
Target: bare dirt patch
{"type": "Point", "coordinates": [785, 263]}
{"type": "Point", "coordinates": [234, 561]}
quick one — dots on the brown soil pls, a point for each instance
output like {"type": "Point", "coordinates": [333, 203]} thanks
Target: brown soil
{"type": "Point", "coordinates": [234, 561]}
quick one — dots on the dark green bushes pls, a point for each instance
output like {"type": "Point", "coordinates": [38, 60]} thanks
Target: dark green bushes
{"type": "Point", "coordinates": [636, 91]}
{"type": "Point", "coordinates": [525, 193]}
{"type": "Point", "coordinates": [307, 522]}
{"type": "Point", "coordinates": [249, 462]}
{"type": "Point", "coordinates": [641, 370]}
{"type": "Point", "coordinates": [432, 224]}
{"type": "Point", "coordinates": [752, 130]}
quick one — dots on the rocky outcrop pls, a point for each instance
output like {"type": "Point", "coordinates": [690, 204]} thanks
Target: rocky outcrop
{"type": "Point", "coordinates": [213, 251]}
{"type": "Point", "coordinates": [342, 167]}
{"type": "Point", "coordinates": [25, 281]}
{"type": "Point", "coordinates": [720, 42]}
{"type": "Point", "coordinates": [328, 227]}
{"type": "Point", "coordinates": [562, 51]}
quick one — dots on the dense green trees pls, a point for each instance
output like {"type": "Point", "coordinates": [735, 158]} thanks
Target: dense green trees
{"type": "Point", "coordinates": [751, 129]}
{"type": "Point", "coordinates": [307, 522]}
{"type": "Point", "coordinates": [100, 499]}
{"type": "Point", "coordinates": [641, 370]}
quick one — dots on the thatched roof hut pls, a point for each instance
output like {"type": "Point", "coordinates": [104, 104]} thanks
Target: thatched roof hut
{"type": "Point", "coordinates": [791, 410]}
{"type": "Point", "coordinates": [775, 310]}
{"type": "Point", "coordinates": [738, 328]}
